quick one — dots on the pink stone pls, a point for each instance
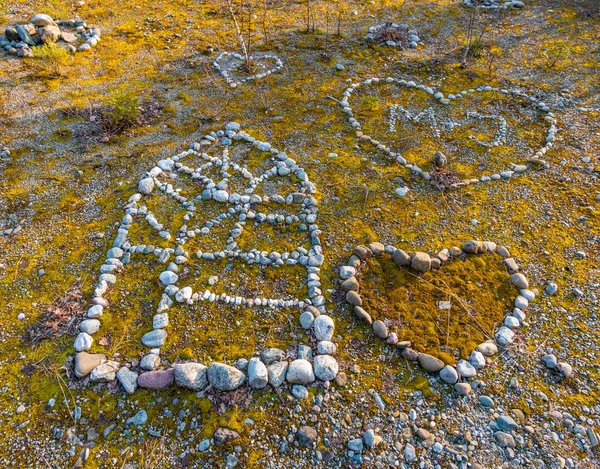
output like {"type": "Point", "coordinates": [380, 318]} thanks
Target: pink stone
{"type": "Point", "coordinates": [158, 379]}
{"type": "Point", "coordinates": [392, 338]}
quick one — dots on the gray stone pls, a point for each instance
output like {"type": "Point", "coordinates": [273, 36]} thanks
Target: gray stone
{"type": "Point", "coordinates": [271, 355]}
{"type": "Point", "coordinates": [504, 336]}
{"type": "Point", "coordinates": [325, 367]}
{"type": "Point", "coordinates": [421, 262]}
{"type": "Point", "coordinates": [128, 379]}
{"type": "Point", "coordinates": [430, 363]}
{"type": "Point", "coordinates": [155, 338]}
{"type": "Point", "coordinates": [550, 361]}
{"type": "Point", "coordinates": [191, 375]}
{"type": "Point", "coordinates": [105, 372]}
{"type": "Point", "coordinates": [486, 401]}
{"type": "Point", "coordinates": [401, 258]}
{"type": "Point", "coordinates": [224, 435]}
{"type": "Point", "coordinates": [277, 372]}
{"type": "Point", "coordinates": [300, 372]}
{"type": "Point", "coordinates": [323, 327]}
{"type": "Point", "coordinates": [380, 329]}
{"type": "Point", "coordinates": [306, 436]}
{"type": "Point", "coordinates": [86, 362]}
{"type": "Point", "coordinates": [224, 377]}
{"type": "Point", "coordinates": [138, 419]}
{"type": "Point", "coordinates": [519, 280]}
{"type": "Point", "coordinates": [449, 374]}
{"type": "Point", "coordinates": [42, 20]}
{"type": "Point", "coordinates": [362, 315]}
{"type": "Point", "coordinates": [506, 423]}
{"type": "Point", "coordinates": [146, 185]}
{"type": "Point", "coordinates": [564, 369]}
{"type": "Point", "coordinates": [505, 440]}
{"type": "Point", "coordinates": [299, 391]}
{"type": "Point", "coordinates": [258, 376]}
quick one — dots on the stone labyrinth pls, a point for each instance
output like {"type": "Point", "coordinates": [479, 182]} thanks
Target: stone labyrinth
{"type": "Point", "coordinates": [478, 135]}
{"type": "Point", "coordinates": [281, 195]}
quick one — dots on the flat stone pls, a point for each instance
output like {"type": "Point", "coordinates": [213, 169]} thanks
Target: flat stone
{"type": "Point", "coordinates": [463, 389]}
{"type": "Point", "coordinates": [430, 363]}
{"type": "Point", "coordinates": [191, 375]}
{"type": "Point", "coordinates": [157, 380]}
{"type": "Point", "coordinates": [224, 377]}
{"type": "Point", "coordinates": [128, 379]}
{"type": "Point", "coordinates": [42, 19]}
{"type": "Point", "coordinates": [86, 362]}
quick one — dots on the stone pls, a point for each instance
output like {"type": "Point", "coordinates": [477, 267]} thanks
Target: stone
{"type": "Point", "coordinates": [157, 380]}
{"type": "Point", "coordinates": [224, 377]}
{"type": "Point", "coordinates": [323, 327]}
{"type": "Point", "coordinates": [346, 272]}
{"type": "Point", "coordinates": [488, 349]}
{"type": "Point", "coordinates": [150, 362]}
{"type": "Point", "coordinates": [83, 342]}
{"type": "Point", "coordinates": [140, 418]}
{"type": "Point", "coordinates": [146, 186]}
{"type": "Point", "coordinates": [306, 436]}
{"type": "Point", "coordinates": [377, 248]}
{"type": "Point", "coordinates": [504, 336]}
{"type": "Point", "coordinates": [362, 315]}
{"type": "Point", "coordinates": [421, 262]}
{"type": "Point", "coordinates": [477, 359]}
{"type": "Point", "coordinates": [86, 362]}
{"type": "Point", "coordinates": [439, 159]}
{"type": "Point", "coordinates": [463, 389]}
{"type": "Point", "coordinates": [486, 401]}
{"type": "Point", "coordinates": [326, 347]}
{"type": "Point", "coordinates": [68, 37]}
{"type": "Point", "coordinates": [506, 423]}
{"type": "Point", "coordinates": [354, 298]}
{"type": "Point", "coordinates": [155, 338]}
{"type": "Point", "coordinates": [12, 34]}
{"type": "Point", "coordinates": [511, 264]}
{"type": "Point", "coordinates": [276, 373]}
{"type": "Point", "coordinates": [356, 445]}
{"type": "Point", "coordinates": [519, 280]}
{"type": "Point", "coordinates": [430, 363]}
{"type": "Point", "coordinates": [25, 36]}
{"type": "Point", "coordinates": [224, 435]}
{"type": "Point", "coordinates": [300, 372]}
{"type": "Point", "coordinates": [380, 329]}
{"type": "Point", "coordinates": [89, 326]}
{"type": "Point", "coordinates": [505, 440]}
{"type": "Point", "coordinates": [448, 374]}
{"type": "Point", "coordinates": [325, 367]}
{"type": "Point", "coordinates": [550, 361]}
{"type": "Point", "coordinates": [42, 20]}
{"type": "Point", "coordinates": [551, 289]}
{"type": "Point", "coordinates": [191, 376]}
{"type": "Point", "coordinates": [564, 369]}
{"type": "Point", "coordinates": [49, 34]}
{"type": "Point", "coordinates": [272, 355]}
{"type": "Point", "coordinates": [128, 379]}
{"type": "Point", "coordinates": [306, 319]}
{"type": "Point", "coordinates": [168, 278]}
{"type": "Point", "coordinates": [299, 391]}
{"type": "Point", "coordinates": [371, 439]}
{"type": "Point", "coordinates": [105, 372]}
{"type": "Point", "coordinates": [258, 377]}
{"type": "Point", "coordinates": [401, 258]}
{"type": "Point", "coordinates": [350, 284]}
{"type": "Point", "coordinates": [503, 252]}
{"type": "Point", "coordinates": [472, 247]}
{"type": "Point", "coordinates": [410, 354]}
{"type": "Point", "coordinates": [409, 452]}
{"type": "Point", "coordinates": [465, 369]}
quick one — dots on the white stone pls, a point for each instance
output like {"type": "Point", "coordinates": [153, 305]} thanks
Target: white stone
{"type": "Point", "coordinates": [323, 327]}
{"type": "Point", "coordinates": [83, 342]}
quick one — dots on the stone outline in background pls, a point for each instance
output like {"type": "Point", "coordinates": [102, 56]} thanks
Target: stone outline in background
{"type": "Point", "coordinates": [48, 31]}
{"type": "Point", "coordinates": [413, 36]}
{"type": "Point", "coordinates": [439, 96]}
{"type": "Point", "coordinates": [231, 79]}
{"type": "Point", "coordinates": [422, 262]}
{"type": "Point", "coordinates": [494, 5]}
{"type": "Point", "coordinates": [194, 375]}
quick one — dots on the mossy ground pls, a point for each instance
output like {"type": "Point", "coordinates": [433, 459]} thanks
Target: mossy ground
{"type": "Point", "coordinates": [67, 189]}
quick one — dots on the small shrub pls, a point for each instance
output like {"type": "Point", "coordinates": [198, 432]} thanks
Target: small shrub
{"type": "Point", "coordinates": [52, 58]}
{"type": "Point", "coordinates": [476, 49]}
{"type": "Point", "coordinates": [124, 110]}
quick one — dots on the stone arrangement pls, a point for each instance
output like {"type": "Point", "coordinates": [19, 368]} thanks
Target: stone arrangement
{"type": "Point", "coordinates": [494, 4]}
{"type": "Point", "coordinates": [398, 112]}
{"type": "Point", "coordinates": [74, 35]}
{"type": "Point", "coordinates": [423, 262]}
{"type": "Point", "coordinates": [394, 35]}
{"type": "Point", "coordinates": [226, 64]}
{"type": "Point", "coordinates": [242, 209]}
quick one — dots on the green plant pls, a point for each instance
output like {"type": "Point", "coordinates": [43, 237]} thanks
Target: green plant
{"type": "Point", "coordinates": [52, 58]}
{"type": "Point", "coordinates": [371, 103]}
{"type": "Point", "coordinates": [124, 109]}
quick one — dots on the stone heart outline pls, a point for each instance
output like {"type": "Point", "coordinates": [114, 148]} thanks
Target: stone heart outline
{"type": "Point", "coordinates": [536, 159]}
{"type": "Point", "coordinates": [230, 76]}
{"type": "Point", "coordinates": [193, 375]}
{"type": "Point", "coordinates": [422, 262]}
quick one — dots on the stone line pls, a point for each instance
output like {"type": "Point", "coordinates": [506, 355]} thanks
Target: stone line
{"type": "Point", "coordinates": [535, 159]}
{"type": "Point", "coordinates": [230, 77]}
{"type": "Point", "coordinates": [197, 376]}
{"type": "Point", "coordinates": [412, 36]}
{"type": "Point", "coordinates": [423, 262]}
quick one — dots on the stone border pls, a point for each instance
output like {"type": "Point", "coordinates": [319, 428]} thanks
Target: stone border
{"type": "Point", "coordinates": [493, 5]}
{"type": "Point", "coordinates": [44, 30]}
{"type": "Point", "coordinates": [5, 156]}
{"type": "Point", "coordinates": [231, 81]}
{"type": "Point", "coordinates": [422, 262]}
{"type": "Point", "coordinates": [413, 36]}
{"type": "Point", "coordinates": [222, 377]}
{"type": "Point", "coordinates": [439, 96]}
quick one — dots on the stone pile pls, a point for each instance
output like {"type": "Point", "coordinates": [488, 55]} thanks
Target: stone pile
{"type": "Point", "coordinates": [226, 64]}
{"type": "Point", "coordinates": [242, 208]}
{"type": "Point", "coordinates": [536, 159]}
{"type": "Point", "coordinates": [494, 4]}
{"type": "Point", "coordinates": [74, 35]}
{"type": "Point", "coordinates": [422, 262]}
{"type": "Point", "coordinates": [394, 35]}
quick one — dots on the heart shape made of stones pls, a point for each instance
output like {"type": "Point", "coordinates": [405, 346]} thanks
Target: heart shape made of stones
{"type": "Point", "coordinates": [420, 262]}
{"type": "Point", "coordinates": [429, 114]}
{"type": "Point", "coordinates": [228, 64]}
